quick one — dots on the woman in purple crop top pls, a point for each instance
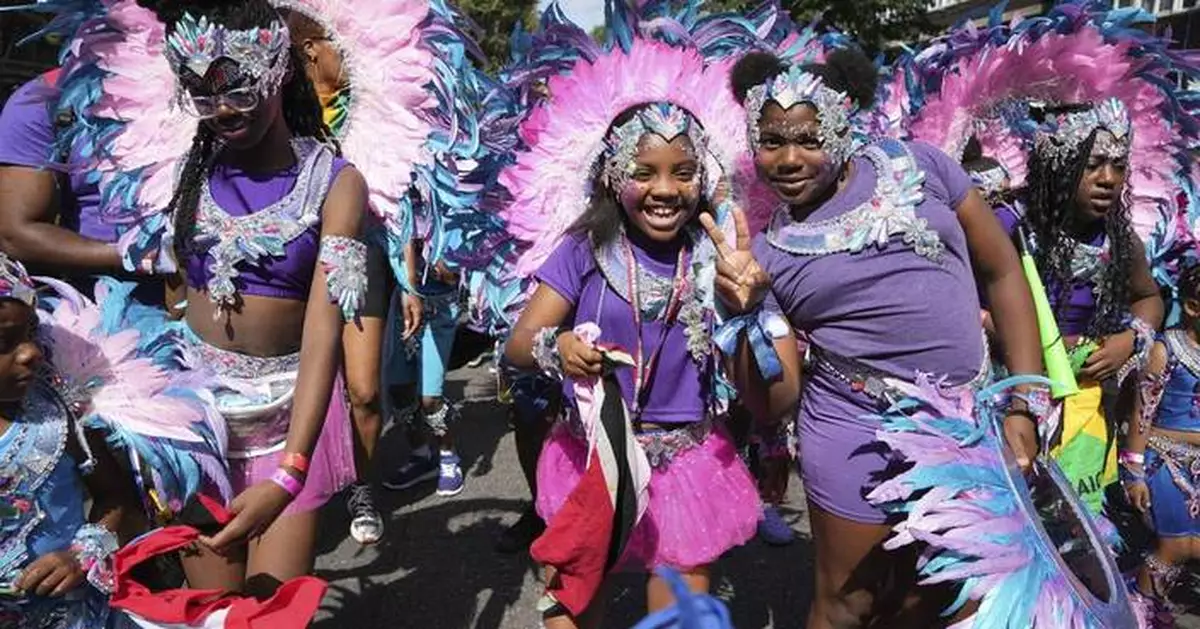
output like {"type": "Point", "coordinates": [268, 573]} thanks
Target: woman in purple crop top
{"type": "Point", "coordinates": [872, 253]}
{"type": "Point", "coordinates": [266, 221]}
{"type": "Point", "coordinates": [1097, 277]}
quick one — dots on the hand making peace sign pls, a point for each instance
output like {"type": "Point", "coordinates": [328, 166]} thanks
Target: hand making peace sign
{"type": "Point", "coordinates": [741, 283]}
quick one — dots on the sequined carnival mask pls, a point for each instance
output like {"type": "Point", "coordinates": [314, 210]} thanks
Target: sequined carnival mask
{"type": "Point", "coordinates": [259, 55]}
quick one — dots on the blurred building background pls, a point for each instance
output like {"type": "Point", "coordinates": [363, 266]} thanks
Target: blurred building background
{"type": "Point", "coordinates": [1181, 17]}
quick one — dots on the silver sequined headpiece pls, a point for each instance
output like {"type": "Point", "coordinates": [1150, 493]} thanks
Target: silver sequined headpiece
{"type": "Point", "coordinates": [1061, 136]}
{"type": "Point", "coordinates": [15, 282]}
{"type": "Point", "coordinates": [665, 120]}
{"type": "Point", "coordinates": [261, 53]}
{"type": "Point", "coordinates": [794, 87]}
{"type": "Point", "coordinates": [991, 182]}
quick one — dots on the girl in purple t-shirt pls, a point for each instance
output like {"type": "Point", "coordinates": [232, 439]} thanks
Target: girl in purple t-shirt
{"type": "Point", "coordinates": [873, 253]}
{"type": "Point", "coordinates": [631, 265]}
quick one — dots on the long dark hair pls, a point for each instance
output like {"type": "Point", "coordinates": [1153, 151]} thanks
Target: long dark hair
{"type": "Point", "coordinates": [1051, 194]}
{"type": "Point", "coordinates": [301, 108]}
{"type": "Point", "coordinates": [604, 217]}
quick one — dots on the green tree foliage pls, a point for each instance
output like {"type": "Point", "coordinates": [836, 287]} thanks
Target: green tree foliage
{"type": "Point", "coordinates": [496, 19]}
{"type": "Point", "coordinates": [876, 24]}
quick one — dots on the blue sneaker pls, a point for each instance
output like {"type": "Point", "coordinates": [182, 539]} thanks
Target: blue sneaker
{"type": "Point", "coordinates": [417, 470]}
{"type": "Point", "coordinates": [773, 530]}
{"type": "Point", "coordinates": [450, 476]}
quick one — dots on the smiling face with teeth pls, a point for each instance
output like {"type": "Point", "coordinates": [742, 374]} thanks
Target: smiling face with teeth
{"type": "Point", "coordinates": [663, 192]}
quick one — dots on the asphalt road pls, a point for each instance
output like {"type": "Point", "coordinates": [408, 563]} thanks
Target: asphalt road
{"type": "Point", "coordinates": [437, 569]}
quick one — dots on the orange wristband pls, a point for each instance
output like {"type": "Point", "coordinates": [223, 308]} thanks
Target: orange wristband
{"type": "Point", "coordinates": [296, 461]}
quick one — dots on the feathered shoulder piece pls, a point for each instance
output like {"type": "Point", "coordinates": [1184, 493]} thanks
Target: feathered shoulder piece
{"type": "Point", "coordinates": [119, 368]}
{"type": "Point", "coordinates": [1024, 547]}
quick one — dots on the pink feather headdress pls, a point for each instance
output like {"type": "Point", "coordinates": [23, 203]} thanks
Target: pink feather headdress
{"type": "Point", "coordinates": [979, 82]}
{"type": "Point", "coordinates": [549, 182]}
{"type": "Point", "coordinates": [407, 128]}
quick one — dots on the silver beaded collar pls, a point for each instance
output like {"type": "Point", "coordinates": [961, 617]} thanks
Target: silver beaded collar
{"type": "Point", "coordinates": [890, 211]}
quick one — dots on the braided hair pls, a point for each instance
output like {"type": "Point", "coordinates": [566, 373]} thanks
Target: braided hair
{"type": "Point", "coordinates": [301, 108]}
{"type": "Point", "coordinates": [1051, 191]}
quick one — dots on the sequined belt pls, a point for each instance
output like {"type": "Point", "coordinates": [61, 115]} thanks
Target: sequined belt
{"type": "Point", "coordinates": [1179, 457]}
{"type": "Point", "coordinates": [254, 395]}
{"type": "Point", "coordinates": [661, 446]}
{"type": "Point", "coordinates": [872, 382]}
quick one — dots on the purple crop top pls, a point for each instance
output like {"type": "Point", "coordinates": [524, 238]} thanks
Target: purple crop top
{"type": "Point", "coordinates": [241, 214]}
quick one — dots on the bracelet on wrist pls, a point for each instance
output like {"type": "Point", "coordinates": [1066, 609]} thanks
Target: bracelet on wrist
{"type": "Point", "coordinates": [1128, 457]}
{"type": "Point", "coordinates": [93, 547]}
{"type": "Point", "coordinates": [297, 462]}
{"type": "Point", "coordinates": [1034, 401]}
{"type": "Point", "coordinates": [292, 485]}
{"type": "Point", "coordinates": [545, 351]}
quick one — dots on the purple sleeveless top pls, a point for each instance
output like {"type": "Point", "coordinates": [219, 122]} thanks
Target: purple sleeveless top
{"type": "Point", "coordinates": [239, 193]}
{"type": "Point", "coordinates": [1075, 307]}
{"type": "Point", "coordinates": [678, 391]}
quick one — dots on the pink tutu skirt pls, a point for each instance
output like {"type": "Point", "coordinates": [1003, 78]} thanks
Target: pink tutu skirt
{"type": "Point", "coordinates": [330, 470]}
{"type": "Point", "coordinates": [254, 394]}
{"type": "Point", "coordinates": [701, 503]}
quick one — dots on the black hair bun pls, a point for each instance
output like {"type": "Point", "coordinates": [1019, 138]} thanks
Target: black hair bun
{"type": "Point", "coordinates": [849, 70]}
{"type": "Point", "coordinates": [752, 70]}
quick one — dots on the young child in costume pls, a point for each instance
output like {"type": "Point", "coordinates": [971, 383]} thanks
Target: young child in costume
{"type": "Point", "coordinates": [1100, 170]}
{"type": "Point", "coordinates": [629, 268]}
{"type": "Point", "coordinates": [54, 571]}
{"type": "Point", "coordinates": [869, 238]}
{"type": "Point", "coordinates": [1160, 455]}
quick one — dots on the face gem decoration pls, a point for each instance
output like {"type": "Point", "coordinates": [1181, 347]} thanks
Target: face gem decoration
{"type": "Point", "coordinates": [794, 87]}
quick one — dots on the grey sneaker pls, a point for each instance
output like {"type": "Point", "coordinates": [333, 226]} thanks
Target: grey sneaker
{"type": "Point", "coordinates": [366, 525]}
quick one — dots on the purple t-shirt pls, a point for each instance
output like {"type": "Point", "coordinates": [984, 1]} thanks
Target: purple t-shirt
{"type": "Point", "coordinates": [1073, 309]}
{"type": "Point", "coordinates": [27, 129]}
{"type": "Point", "coordinates": [678, 391]}
{"type": "Point", "coordinates": [889, 308]}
